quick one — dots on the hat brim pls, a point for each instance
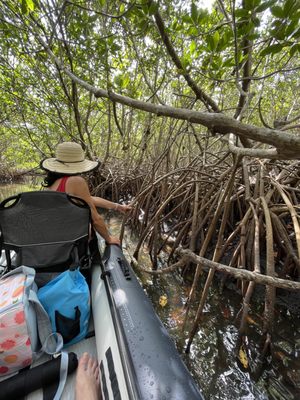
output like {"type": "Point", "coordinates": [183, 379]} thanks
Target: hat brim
{"type": "Point", "coordinates": [53, 165]}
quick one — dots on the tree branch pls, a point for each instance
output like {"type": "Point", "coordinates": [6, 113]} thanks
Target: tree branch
{"type": "Point", "coordinates": [288, 145]}
{"type": "Point", "coordinates": [237, 272]}
{"type": "Point", "coordinates": [201, 95]}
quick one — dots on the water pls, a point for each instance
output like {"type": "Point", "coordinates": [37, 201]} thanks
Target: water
{"type": "Point", "coordinates": [13, 189]}
{"type": "Point", "coordinates": [213, 360]}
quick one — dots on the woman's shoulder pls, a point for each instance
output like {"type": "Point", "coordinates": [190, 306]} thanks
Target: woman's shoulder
{"type": "Point", "coordinates": [76, 179]}
{"type": "Point", "coordinates": [77, 185]}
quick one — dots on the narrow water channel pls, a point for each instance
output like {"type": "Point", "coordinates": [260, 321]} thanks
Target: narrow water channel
{"type": "Point", "coordinates": [214, 358]}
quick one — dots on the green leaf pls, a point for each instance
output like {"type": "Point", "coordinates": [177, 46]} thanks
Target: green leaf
{"type": "Point", "coordinates": [227, 35]}
{"type": "Point", "coordinates": [24, 6]}
{"type": "Point", "coordinates": [193, 31]}
{"type": "Point", "coordinates": [251, 4]}
{"type": "Point", "coordinates": [186, 18]}
{"type": "Point", "coordinates": [213, 40]}
{"type": "Point", "coordinates": [273, 49]}
{"type": "Point", "coordinates": [265, 5]}
{"type": "Point", "coordinates": [291, 28]}
{"type": "Point", "coordinates": [210, 42]}
{"type": "Point", "coordinates": [153, 8]}
{"type": "Point", "coordinates": [229, 62]}
{"type": "Point", "coordinates": [193, 46]}
{"type": "Point", "coordinates": [253, 36]}
{"type": "Point", "coordinates": [145, 8]}
{"type": "Point", "coordinates": [122, 8]}
{"type": "Point", "coordinates": [30, 5]}
{"type": "Point", "coordinates": [240, 57]}
{"type": "Point", "coordinates": [216, 38]}
{"type": "Point", "coordinates": [115, 47]}
{"type": "Point", "coordinates": [256, 21]}
{"type": "Point", "coordinates": [125, 81]}
{"type": "Point", "coordinates": [296, 34]}
{"type": "Point", "coordinates": [27, 6]}
{"type": "Point", "coordinates": [185, 61]}
{"type": "Point", "coordinates": [280, 33]}
{"type": "Point", "coordinates": [194, 13]}
{"type": "Point", "coordinates": [293, 50]}
{"type": "Point", "coordinates": [277, 11]}
{"type": "Point", "coordinates": [203, 16]}
{"type": "Point", "coordinates": [118, 80]}
{"type": "Point", "coordinates": [102, 2]}
{"type": "Point", "coordinates": [245, 29]}
{"type": "Point", "coordinates": [288, 7]}
{"type": "Point", "coordinates": [242, 13]}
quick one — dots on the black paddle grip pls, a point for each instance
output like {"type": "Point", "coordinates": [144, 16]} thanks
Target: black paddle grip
{"type": "Point", "coordinates": [29, 380]}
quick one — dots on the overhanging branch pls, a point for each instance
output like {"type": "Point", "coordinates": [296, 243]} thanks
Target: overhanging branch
{"type": "Point", "coordinates": [287, 145]}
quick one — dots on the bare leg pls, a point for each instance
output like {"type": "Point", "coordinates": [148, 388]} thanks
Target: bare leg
{"type": "Point", "coordinates": [87, 379]}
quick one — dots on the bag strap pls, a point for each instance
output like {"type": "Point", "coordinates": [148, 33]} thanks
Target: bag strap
{"type": "Point", "coordinates": [51, 342]}
{"type": "Point", "coordinates": [63, 374]}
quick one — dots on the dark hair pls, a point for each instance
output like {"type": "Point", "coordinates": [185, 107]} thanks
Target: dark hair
{"type": "Point", "coordinates": [51, 177]}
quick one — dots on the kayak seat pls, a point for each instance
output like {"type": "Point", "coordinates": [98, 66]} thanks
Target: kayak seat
{"type": "Point", "coordinates": [49, 231]}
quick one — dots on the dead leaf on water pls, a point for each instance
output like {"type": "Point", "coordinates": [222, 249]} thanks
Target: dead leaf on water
{"type": "Point", "coordinates": [163, 300]}
{"type": "Point", "coordinates": [243, 357]}
{"type": "Point", "coordinates": [251, 321]}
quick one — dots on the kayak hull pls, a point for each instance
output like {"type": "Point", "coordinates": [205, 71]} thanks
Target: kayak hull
{"type": "Point", "coordinates": [153, 368]}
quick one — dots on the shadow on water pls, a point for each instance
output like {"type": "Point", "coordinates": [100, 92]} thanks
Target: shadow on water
{"type": "Point", "coordinates": [213, 360]}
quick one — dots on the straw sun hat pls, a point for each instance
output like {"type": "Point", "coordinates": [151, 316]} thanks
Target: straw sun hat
{"type": "Point", "coordinates": [70, 160]}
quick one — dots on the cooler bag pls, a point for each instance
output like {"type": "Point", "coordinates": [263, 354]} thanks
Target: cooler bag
{"type": "Point", "coordinates": [24, 324]}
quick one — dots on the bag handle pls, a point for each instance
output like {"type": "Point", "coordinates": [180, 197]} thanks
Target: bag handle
{"type": "Point", "coordinates": [63, 374]}
{"type": "Point", "coordinates": [52, 343]}
{"type": "Point", "coordinates": [28, 271]}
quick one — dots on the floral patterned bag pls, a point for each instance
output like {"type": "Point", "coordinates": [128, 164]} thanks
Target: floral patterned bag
{"type": "Point", "coordinates": [24, 324]}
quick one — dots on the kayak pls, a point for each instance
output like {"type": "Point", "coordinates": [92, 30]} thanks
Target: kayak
{"type": "Point", "coordinates": [137, 358]}
{"type": "Point", "coordinates": [148, 364]}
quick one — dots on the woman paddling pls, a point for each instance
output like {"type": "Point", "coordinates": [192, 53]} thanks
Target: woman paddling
{"type": "Point", "coordinates": [63, 175]}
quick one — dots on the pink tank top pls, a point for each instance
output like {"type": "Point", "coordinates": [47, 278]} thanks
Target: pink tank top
{"type": "Point", "coordinates": [62, 184]}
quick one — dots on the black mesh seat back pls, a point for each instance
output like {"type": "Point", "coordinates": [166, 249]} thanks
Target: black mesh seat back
{"type": "Point", "coordinates": [45, 227]}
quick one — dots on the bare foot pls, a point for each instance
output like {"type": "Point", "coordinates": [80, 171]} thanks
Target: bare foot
{"type": "Point", "coordinates": [87, 379]}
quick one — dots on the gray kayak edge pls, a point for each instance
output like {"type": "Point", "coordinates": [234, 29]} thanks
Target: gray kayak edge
{"type": "Point", "coordinates": [154, 368]}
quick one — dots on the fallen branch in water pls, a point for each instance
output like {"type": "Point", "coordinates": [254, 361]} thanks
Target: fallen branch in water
{"type": "Point", "coordinates": [188, 255]}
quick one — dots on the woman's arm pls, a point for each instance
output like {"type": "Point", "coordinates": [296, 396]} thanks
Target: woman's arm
{"type": "Point", "coordinates": [109, 205]}
{"type": "Point", "coordinates": [77, 186]}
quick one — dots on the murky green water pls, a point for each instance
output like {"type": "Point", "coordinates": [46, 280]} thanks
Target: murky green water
{"type": "Point", "coordinates": [13, 189]}
{"type": "Point", "coordinates": [213, 359]}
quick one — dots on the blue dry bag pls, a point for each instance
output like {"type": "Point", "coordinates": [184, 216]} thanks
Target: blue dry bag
{"type": "Point", "coordinates": [67, 302]}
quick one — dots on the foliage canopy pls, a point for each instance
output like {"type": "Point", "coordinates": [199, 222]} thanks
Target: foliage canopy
{"type": "Point", "coordinates": [235, 65]}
